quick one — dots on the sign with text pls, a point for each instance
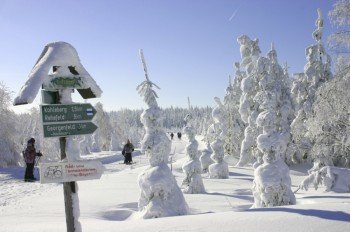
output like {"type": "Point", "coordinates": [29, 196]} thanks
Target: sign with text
{"type": "Point", "coordinates": [67, 113]}
{"type": "Point", "coordinates": [65, 129]}
{"type": "Point", "coordinates": [70, 171]}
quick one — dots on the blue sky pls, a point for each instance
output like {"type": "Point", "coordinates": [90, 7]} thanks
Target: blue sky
{"type": "Point", "coordinates": [189, 45]}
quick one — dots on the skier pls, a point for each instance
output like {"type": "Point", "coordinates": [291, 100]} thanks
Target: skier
{"type": "Point", "coordinates": [172, 135]}
{"type": "Point", "coordinates": [127, 150]}
{"type": "Point", "coordinates": [29, 157]}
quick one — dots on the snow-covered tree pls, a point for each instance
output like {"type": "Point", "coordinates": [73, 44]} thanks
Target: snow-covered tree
{"type": "Point", "coordinates": [9, 141]}
{"type": "Point", "coordinates": [316, 72]}
{"type": "Point", "coordinates": [103, 123]}
{"type": "Point", "coordinates": [85, 145]}
{"type": "Point", "coordinates": [96, 144]}
{"type": "Point", "coordinates": [339, 41]}
{"type": "Point", "coordinates": [333, 178]}
{"type": "Point", "coordinates": [235, 125]}
{"type": "Point", "coordinates": [329, 126]}
{"type": "Point", "coordinates": [249, 108]}
{"type": "Point", "coordinates": [193, 182]}
{"type": "Point", "coordinates": [160, 194]}
{"type": "Point", "coordinates": [219, 169]}
{"type": "Point", "coordinates": [272, 183]}
{"type": "Point", "coordinates": [115, 143]}
{"type": "Point", "coordinates": [205, 158]}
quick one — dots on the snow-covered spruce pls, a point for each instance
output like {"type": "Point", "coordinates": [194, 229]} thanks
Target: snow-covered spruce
{"type": "Point", "coordinates": [272, 183]}
{"type": "Point", "coordinates": [235, 125]}
{"type": "Point", "coordinates": [249, 109]}
{"type": "Point", "coordinates": [96, 144]}
{"type": "Point", "coordinates": [333, 178]}
{"type": "Point", "coordinates": [160, 194]}
{"type": "Point", "coordinates": [115, 143]}
{"type": "Point", "coordinates": [316, 72]}
{"type": "Point", "coordinates": [205, 158]}
{"type": "Point", "coordinates": [193, 182]}
{"type": "Point", "coordinates": [9, 141]}
{"type": "Point", "coordinates": [219, 169]}
{"type": "Point", "coordinates": [85, 145]}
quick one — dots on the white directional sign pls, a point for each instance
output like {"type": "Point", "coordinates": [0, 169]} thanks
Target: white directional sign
{"type": "Point", "coordinates": [70, 171]}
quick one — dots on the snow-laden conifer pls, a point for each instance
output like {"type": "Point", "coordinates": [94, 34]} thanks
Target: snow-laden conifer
{"type": "Point", "coordinates": [316, 72]}
{"type": "Point", "coordinates": [160, 194]}
{"type": "Point", "coordinates": [235, 125]}
{"type": "Point", "coordinates": [272, 183]}
{"type": "Point", "coordinates": [205, 158]}
{"type": "Point", "coordinates": [219, 169]}
{"type": "Point", "coordinates": [249, 108]}
{"type": "Point", "coordinates": [193, 182]}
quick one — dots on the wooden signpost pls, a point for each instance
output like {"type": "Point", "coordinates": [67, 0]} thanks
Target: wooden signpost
{"type": "Point", "coordinates": [63, 118]}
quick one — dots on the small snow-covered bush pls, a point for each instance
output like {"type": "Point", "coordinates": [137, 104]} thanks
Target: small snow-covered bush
{"type": "Point", "coordinates": [333, 178]}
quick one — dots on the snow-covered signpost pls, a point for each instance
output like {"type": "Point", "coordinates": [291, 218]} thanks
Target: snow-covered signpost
{"type": "Point", "coordinates": [64, 120]}
{"type": "Point", "coordinates": [160, 194]}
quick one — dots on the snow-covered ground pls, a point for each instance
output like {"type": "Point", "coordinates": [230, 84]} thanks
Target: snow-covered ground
{"type": "Point", "coordinates": [110, 204]}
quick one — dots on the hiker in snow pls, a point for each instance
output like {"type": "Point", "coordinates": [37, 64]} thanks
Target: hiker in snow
{"type": "Point", "coordinates": [127, 150]}
{"type": "Point", "coordinates": [179, 135]}
{"type": "Point", "coordinates": [172, 135]}
{"type": "Point", "coordinates": [29, 157]}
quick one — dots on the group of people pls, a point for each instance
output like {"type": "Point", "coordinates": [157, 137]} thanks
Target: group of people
{"type": "Point", "coordinates": [178, 135]}
{"type": "Point", "coordinates": [30, 154]}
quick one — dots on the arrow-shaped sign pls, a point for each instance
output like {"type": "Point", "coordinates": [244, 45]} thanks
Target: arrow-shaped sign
{"type": "Point", "coordinates": [65, 129]}
{"type": "Point", "coordinates": [67, 113]}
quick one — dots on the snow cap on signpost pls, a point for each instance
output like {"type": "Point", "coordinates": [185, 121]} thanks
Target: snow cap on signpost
{"type": "Point", "coordinates": [63, 57]}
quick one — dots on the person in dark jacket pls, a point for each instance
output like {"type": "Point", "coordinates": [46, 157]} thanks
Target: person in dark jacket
{"type": "Point", "coordinates": [127, 151]}
{"type": "Point", "coordinates": [179, 135]}
{"type": "Point", "coordinates": [29, 157]}
{"type": "Point", "coordinates": [172, 135]}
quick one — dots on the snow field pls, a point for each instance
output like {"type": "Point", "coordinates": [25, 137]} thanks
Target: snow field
{"type": "Point", "coordinates": [110, 204]}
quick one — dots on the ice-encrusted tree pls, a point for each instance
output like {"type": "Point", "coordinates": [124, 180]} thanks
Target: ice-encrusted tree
{"type": "Point", "coordinates": [333, 178]}
{"type": "Point", "coordinates": [249, 108]}
{"type": "Point", "coordinates": [339, 40]}
{"type": "Point", "coordinates": [316, 72]}
{"type": "Point", "coordinates": [235, 125]}
{"type": "Point", "coordinates": [9, 140]}
{"type": "Point", "coordinates": [160, 194]}
{"type": "Point", "coordinates": [115, 142]}
{"type": "Point", "coordinates": [330, 125]}
{"type": "Point", "coordinates": [219, 169]}
{"type": "Point", "coordinates": [192, 182]}
{"type": "Point", "coordinates": [205, 159]}
{"type": "Point", "coordinates": [102, 120]}
{"type": "Point", "coordinates": [272, 183]}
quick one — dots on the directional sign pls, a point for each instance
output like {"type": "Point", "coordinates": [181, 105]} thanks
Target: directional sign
{"type": "Point", "coordinates": [67, 113]}
{"type": "Point", "coordinates": [70, 171]}
{"type": "Point", "coordinates": [65, 129]}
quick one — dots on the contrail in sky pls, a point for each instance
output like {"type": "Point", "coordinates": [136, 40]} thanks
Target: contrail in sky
{"type": "Point", "coordinates": [235, 12]}
{"type": "Point", "coordinates": [233, 15]}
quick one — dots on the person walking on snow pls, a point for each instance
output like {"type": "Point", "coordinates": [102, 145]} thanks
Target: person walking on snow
{"type": "Point", "coordinates": [127, 150]}
{"type": "Point", "coordinates": [29, 157]}
{"type": "Point", "coordinates": [172, 135]}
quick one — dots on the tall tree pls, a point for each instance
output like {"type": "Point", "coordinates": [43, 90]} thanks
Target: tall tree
{"type": "Point", "coordinates": [160, 194]}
